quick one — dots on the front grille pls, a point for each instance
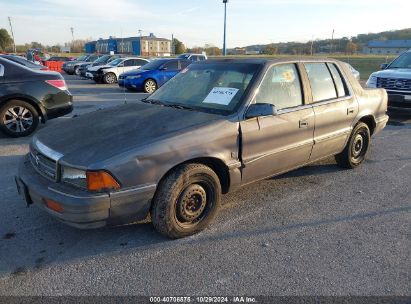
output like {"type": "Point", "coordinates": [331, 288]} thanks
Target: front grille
{"type": "Point", "coordinates": [394, 84]}
{"type": "Point", "coordinates": [44, 165]}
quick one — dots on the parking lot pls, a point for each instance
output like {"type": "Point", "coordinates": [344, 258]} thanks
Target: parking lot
{"type": "Point", "coordinates": [320, 230]}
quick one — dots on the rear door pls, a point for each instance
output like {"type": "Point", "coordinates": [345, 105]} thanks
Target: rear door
{"type": "Point", "coordinates": [274, 144]}
{"type": "Point", "coordinates": [335, 108]}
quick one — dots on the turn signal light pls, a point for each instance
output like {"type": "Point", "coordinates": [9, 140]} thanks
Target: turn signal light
{"type": "Point", "coordinates": [100, 180]}
{"type": "Point", "coordinates": [53, 205]}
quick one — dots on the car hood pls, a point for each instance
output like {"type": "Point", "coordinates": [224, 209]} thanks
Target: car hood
{"type": "Point", "coordinates": [394, 73]}
{"type": "Point", "coordinates": [98, 67]}
{"type": "Point", "coordinates": [95, 137]}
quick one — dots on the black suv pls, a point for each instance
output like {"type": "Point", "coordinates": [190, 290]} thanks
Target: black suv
{"type": "Point", "coordinates": [28, 97]}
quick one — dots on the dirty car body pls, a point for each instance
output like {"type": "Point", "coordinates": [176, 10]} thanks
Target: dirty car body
{"type": "Point", "coordinates": [234, 121]}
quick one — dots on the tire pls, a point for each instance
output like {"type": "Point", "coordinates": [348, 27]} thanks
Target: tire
{"type": "Point", "coordinates": [110, 78]}
{"type": "Point", "coordinates": [356, 149]}
{"type": "Point", "coordinates": [77, 70]}
{"type": "Point", "coordinates": [18, 118]}
{"type": "Point", "coordinates": [150, 86]}
{"type": "Point", "coordinates": [186, 201]}
{"type": "Point", "coordinates": [69, 73]}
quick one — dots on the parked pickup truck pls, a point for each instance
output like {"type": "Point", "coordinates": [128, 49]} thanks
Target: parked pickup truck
{"type": "Point", "coordinates": [395, 77]}
{"type": "Point", "coordinates": [212, 128]}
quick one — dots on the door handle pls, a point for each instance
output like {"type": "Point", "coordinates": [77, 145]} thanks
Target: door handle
{"type": "Point", "coordinates": [303, 124]}
{"type": "Point", "coordinates": [350, 110]}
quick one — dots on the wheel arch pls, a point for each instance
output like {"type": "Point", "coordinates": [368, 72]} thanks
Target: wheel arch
{"type": "Point", "coordinates": [369, 120]}
{"type": "Point", "coordinates": [216, 164]}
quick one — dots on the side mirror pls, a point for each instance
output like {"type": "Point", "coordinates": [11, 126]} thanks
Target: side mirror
{"type": "Point", "coordinates": [260, 109]}
{"type": "Point", "coordinates": [120, 65]}
{"type": "Point", "coordinates": [1, 70]}
{"type": "Point", "coordinates": [383, 66]}
{"type": "Point", "coordinates": [163, 68]}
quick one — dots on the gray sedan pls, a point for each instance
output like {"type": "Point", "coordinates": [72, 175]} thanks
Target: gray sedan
{"type": "Point", "coordinates": [213, 128]}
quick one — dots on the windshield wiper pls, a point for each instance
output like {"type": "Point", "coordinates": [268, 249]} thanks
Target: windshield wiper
{"type": "Point", "coordinates": [153, 101]}
{"type": "Point", "coordinates": [177, 106]}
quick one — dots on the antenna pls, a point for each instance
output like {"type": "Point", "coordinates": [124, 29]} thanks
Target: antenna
{"type": "Point", "coordinates": [12, 35]}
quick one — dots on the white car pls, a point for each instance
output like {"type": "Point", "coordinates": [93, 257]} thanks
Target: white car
{"type": "Point", "coordinates": [109, 73]}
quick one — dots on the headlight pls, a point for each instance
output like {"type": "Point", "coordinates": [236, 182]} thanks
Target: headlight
{"type": "Point", "coordinates": [70, 64]}
{"type": "Point", "coordinates": [74, 176]}
{"type": "Point", "coordinates": [89, 180]}
{"type": "Point", "coordinates": [372, 82]}
{"type": "Point", "coordinates": [133, 77]}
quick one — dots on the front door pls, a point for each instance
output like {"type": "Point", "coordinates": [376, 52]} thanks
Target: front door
{"type": "Point", "coordinates": [278, 143]}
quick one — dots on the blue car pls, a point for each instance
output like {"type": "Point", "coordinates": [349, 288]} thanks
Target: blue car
{"type": "Point", "coordinates": [152, 75]}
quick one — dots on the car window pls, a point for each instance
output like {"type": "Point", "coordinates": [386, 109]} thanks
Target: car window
{"type": "Point", "coordinates": [281, 87]}
{"type": "Point", "coordinates": [184, 64]}
{"type": "Point", "coordinates": [139, 62]}
{"type": "Point", "coordinates": [129, 62]}
{"type": "Point", "coordinates": [321, 82]}
{"type": "Point", "coordinates": [172, 65]}
{"type": "Point", "coordinates": [339, 83]}
{"type": "Point", "coordinates": [194, 58]}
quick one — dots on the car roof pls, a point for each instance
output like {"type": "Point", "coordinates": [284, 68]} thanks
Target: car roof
{"type": "Point", "coordinates": [268, 60]}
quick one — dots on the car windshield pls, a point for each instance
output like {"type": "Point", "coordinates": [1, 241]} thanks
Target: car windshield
{"type": "Point", "coordinates": [402, 62]}
{"type": "Point", "coordinates": [154, 65]}
{"type": "Point", "coordinates": [216, 88]}
{"type": "Point", "coordinates": [116, 62]}
{"type": "Point", "coordinates": [183, 56]}
{"type": "Point", "coordinates": [102, 59]}
{"type": "Point", "coordinates": [81, 58]}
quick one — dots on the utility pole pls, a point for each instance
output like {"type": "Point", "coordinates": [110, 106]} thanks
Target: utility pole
{"type": "Point", "coordinates": [72, 39]}
{"type": "Point", "coordinates": [12, 35]}
{"type": "Point", "coordinates": [141, 42]}
{"type": "Point", "coordinates": [225, 27]}
{"type": "Point", "coordinates": [172, 51]}
{"type": "Point", "coordinates": [332, 42]}
{"type": "Point", "coordinates": [312, 42]}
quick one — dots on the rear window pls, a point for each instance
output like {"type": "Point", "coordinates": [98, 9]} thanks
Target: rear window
{"type": "Point", "coordinates": [321, 81]}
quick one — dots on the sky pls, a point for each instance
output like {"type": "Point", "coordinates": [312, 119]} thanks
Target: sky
{"type": "Point", "coordinates": [200, 22]}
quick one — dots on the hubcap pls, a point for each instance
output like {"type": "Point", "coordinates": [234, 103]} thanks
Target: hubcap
{"type": "Point", "coordinates": [358, 145]}
{"type": "Point", "coordinates": [150, 86]}
{"type": "Point", "coordinates": [191, 203]}
{"type": "Point", "coordinates": [18, 119]}
{"type": "Point", "coordinates": [110, 78]}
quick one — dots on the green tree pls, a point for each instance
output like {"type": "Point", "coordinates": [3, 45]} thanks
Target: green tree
{"type": "Point", "coordinates": [179, 47]}
{"type": "Point", "coordinates": [5, 39]}
{"type": "Point", "coordinates": [270, 50]}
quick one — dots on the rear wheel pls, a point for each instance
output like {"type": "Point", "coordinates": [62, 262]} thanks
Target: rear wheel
{"type": "Point", "coordinates": [187, 200]}
{"type": "Point", "coordinates": [150, 86]}
{"type": "Point", "coordinates": [77, 70]}
{"type": "Point", "coordinates": [110, 78]}
{"type": "Point", "coordinates": [356, 149]}
{"type": "Point", "coordinates": [18, 118]}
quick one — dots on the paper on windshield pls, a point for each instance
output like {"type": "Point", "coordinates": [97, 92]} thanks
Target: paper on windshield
{"type": "Point", "coordinates": [220, 95]}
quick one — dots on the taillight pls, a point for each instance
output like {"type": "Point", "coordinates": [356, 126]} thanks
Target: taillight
{"type": "Point", "coordinates": [58, 83]}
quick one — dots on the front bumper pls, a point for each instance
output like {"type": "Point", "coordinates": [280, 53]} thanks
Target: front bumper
{"type": "Point", "coordinates": [82, 209]}
{"type": "Point", "coordinates": [399, 100]}
{"type": "Point", "coordinates": [68, 69]}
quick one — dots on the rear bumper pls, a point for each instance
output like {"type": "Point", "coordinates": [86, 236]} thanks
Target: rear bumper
{"type": "Point", "coordinates": [58, 105]}
{"type": "Point", "coordinates": [82, 209]}
{"type": "Point", "coordinates": [381, 122]}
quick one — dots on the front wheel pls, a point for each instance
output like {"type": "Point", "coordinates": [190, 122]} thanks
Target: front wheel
{"type": "Point", "coordinates": [150, 86]}
{"type": "Point", "coordinates": [18, 118]}
{"type": "Point", "coordinates": [110, 78]}
{"type": "Point", "coordinates": [356, 149]}
{"type": "Point", "coordinates": [77, 70]}
{"type": "Point", "coordinates": [187, 200]}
